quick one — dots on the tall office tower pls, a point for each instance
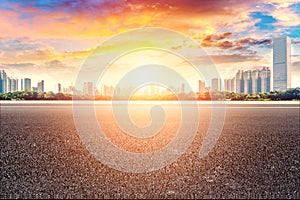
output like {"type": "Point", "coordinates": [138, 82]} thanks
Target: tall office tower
{"type": "Point", "coordinates": [247, 82]}
{"type": "Point", "coordinates": [27, 84]}
{"type": "Point", "coordinates": [227, 85]}
{"type": "Point", "coordinates": [14, 85]}
{"type": "Point", "coordinates": [201, 86]}
{"type": "Point", "coordinates": [182, 88]}
{"type": "Point", "coordinates": [255, 81]}
{"type": "Point", "coordinates": [281, 63]}
{"type": "Point", "coordinates": [3, 81]}
{"type": "Point", "coordinates": [239, 81]}
{"type": "Point", "coordinates": [22, 85]}
{"type": "Point", "coordinates": [40, 86]}
{"type": "Point", "coordinates": [233, 88]}
{"type": "Point", "coordinates": [58, 88]}
{"type": "Point", "coordinates": [88, 88]}
{"type": "Point", "coordinates": [215, 84]}
{"type": "Point", "coordinates": [265, 79]}
{"type": "Point", "coordinates": [8, 85]}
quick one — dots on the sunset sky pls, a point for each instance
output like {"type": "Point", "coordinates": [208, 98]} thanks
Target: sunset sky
{"type": "Point", "coordinates": [51, 39]}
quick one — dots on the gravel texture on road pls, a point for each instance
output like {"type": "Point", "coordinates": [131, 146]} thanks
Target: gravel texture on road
{"type": "Point", "coordinates": [256, 156]}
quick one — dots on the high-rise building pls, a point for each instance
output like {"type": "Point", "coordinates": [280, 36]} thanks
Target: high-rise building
{"type": "Point", "coordinates": [227, 85]}
{"type": "Point", "coordinates": [255, 81]}
{"type": "Point", "coordinates": [58, 88]}
{"type": "Point", "coordinates": [88, 88]}
{"type": "Point", "coordinates": [239, 81]}
{"type": "Point", "coordinates": [233, 88]}
{"type": "Point", "coordinates": [8, 85]}
{"type": "Point", "coordinates": [182, 88]}
{"type": "Point", "coordinates": [247, 82]}
{"type": "Point", "coordinates": [22, 85]}
{"type": "Point", "coordinates": [14, 85]}
{"type": "Point", "coordinates": [215, 84]}
{"type": "Point", "coordinates": [201, 86]}
{"type": "Point", "coordinates": [3, 81]}
{"type": "Point", "coordinates": [27, 84]}
{"type": "Point", "coordinates": [265, 79]}
{"type": "Point", "coordinates": [40, 86]}
{"type": "Point", "coordinates": [281, 63]}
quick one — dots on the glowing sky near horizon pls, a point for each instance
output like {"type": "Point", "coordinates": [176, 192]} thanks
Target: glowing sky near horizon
{"type": "Point", "coordinates": [51, 39]}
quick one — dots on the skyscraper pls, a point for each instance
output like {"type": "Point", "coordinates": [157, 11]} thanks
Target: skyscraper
{"type": "Point", "coordinates": [14, 85]}
{"type": "Point", "coordinates": [227, 85]}
{"type": "Point", "coordinates": [255, 81]}
{"type": "Point", "coordinates": [88, 88]}
{"type": "Point", "coordinates": [58, 88]}
{"type": "Point", "coordinates": [281, 63]}
{"type": "Point", "coordinates": [201, 86]}
{"type": "Point", "coordinates": [233, 85]}
{"type": "Point", "coordinates": [41, 86]}
{"type": "Point", "coordinates": [8, 88]}
{"type": "Point", "coordinates": [215, 84]}
{"type": "Point", "coordinates": [247, 82]}
{"type": "Point", "coordinates": [22, 85]}
{"type": "Point", "coordinates": [182, 88]}
{"type": "Point", "coordinates": [27, 84]}
{"type": "Point", "coordinates": [3, 81]}
{"type": "Point", "coordinates": [265, 79]}
{"type": "Point", "coordinates": [239, 82]}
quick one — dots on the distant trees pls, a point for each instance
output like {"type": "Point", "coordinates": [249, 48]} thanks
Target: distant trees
{"type": "Point", "coordinates": [30, 95]}
{"type": "Point", "coordinates": [290, 94]}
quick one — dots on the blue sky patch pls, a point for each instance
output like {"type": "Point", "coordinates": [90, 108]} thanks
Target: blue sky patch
{"type": "Point", "coordinates": [266, 21]}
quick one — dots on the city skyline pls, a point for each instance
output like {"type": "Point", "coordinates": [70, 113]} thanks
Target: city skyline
{"type": "Point", "coordinates": [244, 82]}
{"type": "Point", "coordinates": [56, 37]}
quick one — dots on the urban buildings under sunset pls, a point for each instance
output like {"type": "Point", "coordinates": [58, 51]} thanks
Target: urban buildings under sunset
{"type": "Point", "coordinates": [281, 63]}
{"type": "Point", "coordinates": [8, 84]}
{"type": "Point", "coordinates": [250, 81]}
{"type": "Point", "coordinates": [245, 81]}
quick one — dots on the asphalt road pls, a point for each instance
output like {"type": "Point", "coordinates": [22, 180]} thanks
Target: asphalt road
{"type": "Point", "coordinates": [256, 156]}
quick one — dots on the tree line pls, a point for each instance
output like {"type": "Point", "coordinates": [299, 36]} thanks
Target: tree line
{"type": "Point", "coordinates": [290, 94]}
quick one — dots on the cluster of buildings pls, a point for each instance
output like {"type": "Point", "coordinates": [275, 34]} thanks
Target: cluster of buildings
{"type": "Point", "coordinates": [248, 82]}
{"type": "Point", "coordinates": [259, 80]}
{"type": "Point", "coordinates": [245, 81]}
{"type": "Point", "coordinates": [8, 84]}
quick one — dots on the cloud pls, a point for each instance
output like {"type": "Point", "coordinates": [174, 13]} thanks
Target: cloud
{"type": "Point", "coordinates": [221, 40]}
{"type": "Point", "coordinates": [87, 18]}
{"type": "Point", "coordinates": [296, 41]}
{"type": "Point", "coordinates": [296, 65]}
{"type": "Point", "coordinates": [286, 16]}
{"type": "Point", "coordinates": [209, 40]}
{"type": "Point", "coordinates": [296, 62]}
{"type": "Point", "coordinates": [24, 50]}
{"type": "Point", "coordinates": [18, 65]}
{"type": "Point", "coordinates": [234, 58]}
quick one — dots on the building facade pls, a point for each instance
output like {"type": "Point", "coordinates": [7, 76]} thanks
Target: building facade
{"type": "Point", "coordinates": [41, 86]}
{"type": "Point", "coordinates": [3, 81]}
{"type": "Point", "coordinates": [202, 86]}
{"type": "Point", "coordinates": [239, 81]}
{"type": "Point", "coordinates": [250, 81]}
{"type": "Point", "coordinates": [281, 63]}
{"type": "Point", "coordinates": [27, 84]}
{"type": "Point", "coordinates": [265, 80]}
{"type": "Point", "coordinates": [88, 88]}
{"type": "Point", "coordinates": [247, 82]}
{"type": "Point", "coordinates": [215, 84]}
